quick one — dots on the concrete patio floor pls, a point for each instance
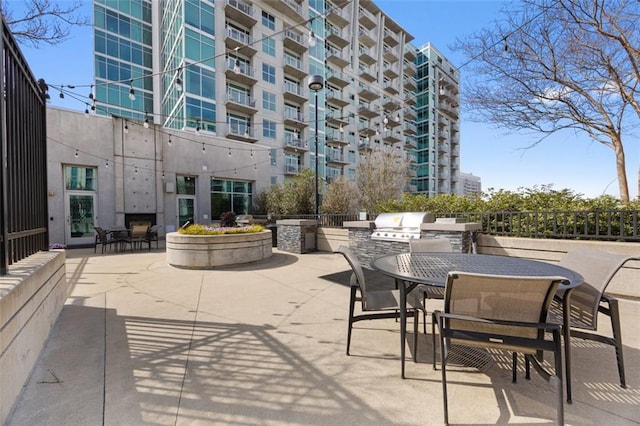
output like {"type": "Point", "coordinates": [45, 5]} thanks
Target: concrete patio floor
{"type": "Point", "coordinates": [139, 342]}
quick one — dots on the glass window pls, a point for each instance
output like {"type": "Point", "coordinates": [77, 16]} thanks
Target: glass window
{"type": "Point", "coordinates": [268, 20]}
{"type": "Point", "coordinates": [186, 185]}
{"type": "Point", "coordinates": [269, 73]}
{"type": "Point", "coordinates": [232, 196]}
{"type": "Point", "coordinates": [268, 45]}
{"type": "Point", "coordinates": [80, 178]}
{"type": "Point", "coordinates": [268, 100]}
{"type": "Point", "coordinates": [269, 129]}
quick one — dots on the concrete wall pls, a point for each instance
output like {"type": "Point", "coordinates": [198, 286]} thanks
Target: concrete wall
{"type": "Point", "coordinates": [31, 298]}
{"type": "Point", "coordinates": [142, 167]}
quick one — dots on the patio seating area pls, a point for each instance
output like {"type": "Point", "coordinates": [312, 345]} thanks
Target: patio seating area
{"type": "Point", "coordinates": [140, 342]}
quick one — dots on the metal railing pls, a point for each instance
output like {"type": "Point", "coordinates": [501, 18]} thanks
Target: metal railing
{"type": "Point", "coordinates": [610, 225]}
{"type": "Point", "coordinates": [23, 148]}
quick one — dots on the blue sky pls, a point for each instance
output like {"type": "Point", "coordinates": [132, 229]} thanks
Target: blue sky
{"type": "Point", "coordinates": [502, 160]}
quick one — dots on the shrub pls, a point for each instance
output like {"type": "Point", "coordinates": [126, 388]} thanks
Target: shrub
{"type": "Point", "coordinates": [227, 219]}
{"type": "Point", "coordinates": [197, 229]}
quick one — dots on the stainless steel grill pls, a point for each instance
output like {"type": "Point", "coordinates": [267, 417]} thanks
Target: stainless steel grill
{"type": "Point", "coordinates": [400, 226]}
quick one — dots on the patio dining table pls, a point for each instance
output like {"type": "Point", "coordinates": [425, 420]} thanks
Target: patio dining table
{"type": "Point", "coordinates": [411, 269]}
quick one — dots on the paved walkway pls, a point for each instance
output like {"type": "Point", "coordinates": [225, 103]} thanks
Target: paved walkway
{"type": "Point", "coordinates": [140, 342]}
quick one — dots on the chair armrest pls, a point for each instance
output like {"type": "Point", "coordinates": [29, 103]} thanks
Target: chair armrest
{"type": "Point", "coordinates": [539, 325]}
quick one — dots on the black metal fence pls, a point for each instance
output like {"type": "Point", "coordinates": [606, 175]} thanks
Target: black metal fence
{"type": "Point", "coordinates": [610, 225]}
{"type": "Point", "coordinates": [23, 148]}
{"type": "Point", "coordinates": [614, 225]}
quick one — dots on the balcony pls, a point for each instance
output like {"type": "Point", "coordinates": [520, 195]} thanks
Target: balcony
{"type": "Point", "coordinates": [367, 18]}
{"type": "Point", "coordinates": [293, 143]}
{"type": "Point", "coordinates": [294, 41]}
{"type": "Point", "coordinates": [367, 92]}
{"type": "Point", "coordinates": [294, 67]}
{"type": "Point", "coordinates": [240, 12]}
{"type": "Point", "coordinates": [240, 131]}
{"type": "Point", "coordinates": [366, 129]}
{"type": "Point", "coordinates": [410, 114]}
{"type": "Point", "coordinates": [335, 156]}
{"type": "Point", "coordinates": [390, 87]}
{"type": "Point", "coordinates": [410, 142]}
{"type": "Point", "coordinates": [337, 78]}
{"type": "Point", "coordinates": [409, 83]}
{"type": "Point", "coordinates": [336, 36]}
{"type": "Point", "coordinates": [336, 97]}
{"type": "Point", "coordinates": [367, 73]}
{"type": "Point", "coordinates": [240, 72]}
{"type": "Point", "coordinates": [294, 92]}
{"type": "Point", "coordinates": [409, 128]}
{"type": "Point", "coordinates": [294, 118]}
{"type": "Point", "coordinates": [366, 37]}
{"type": "Point", "coordinates": [367, 110]}
{"type": "Point", "coordinates": [292, 9]}
{"type": "Point", "coordinates": [390, 71]}
{"type": "Point", "coordinates": [335, 137]}
{"type": "Point", "coordinates": [391, 137]}
{"type": "Point", "coordinates": [240, 102]}
{"type": "Point", "coordinates": [388, 103]}
{"type": "Point", "coordinates": [236, 39]}
{"type": "Point", "coordinates": [390, 54]}
{"type": "Point", "coordinates": [336, 57]}
{"type": "Point", "coordinates": [291, 169]}
{"type": "Point", "coordinates": [337, 16]}
{"type": "Point", "coordinates": [409, 68]}
{"type": "Point", "coordinates": [336, 118]}
{"type": "Point", "coordinates": [367, 56]}
{"type": "Point", "coordinates": [390, 38]}
{"type": "Point", "coordinates": [409, 98]}
{"type": "Point", "coordinates": [410, 52]}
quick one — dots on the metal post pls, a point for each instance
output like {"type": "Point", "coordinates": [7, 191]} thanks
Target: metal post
{"type": "Point", "coordinates": [316, 83]}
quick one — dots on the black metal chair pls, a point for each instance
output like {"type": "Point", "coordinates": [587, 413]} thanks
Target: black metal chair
{"type": "Point", "coordinates": [152, 235]}
{"type": "Point", "coordinates": [588, 300]}
{"type": "Point", "coordinates": [376, 304]}
{"type": "Point", "coordinates": [103, 238]}
{"type": "Point", "coordinates": [500, 312]}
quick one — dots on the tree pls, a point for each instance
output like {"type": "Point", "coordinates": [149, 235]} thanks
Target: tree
{"type": "Point", "coordinates": [340, 197]}
{"type": "Point", "coordinates": [559, 65]}
{"type": "Point", "coordinates": [43, 21]}
{"type": "Point", "coordinates": [381, 176]}
{"type": "Point", "coordinates": [294, 196]}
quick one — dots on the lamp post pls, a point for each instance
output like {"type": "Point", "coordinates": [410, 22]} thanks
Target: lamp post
{"type": "Point", "coordinates": [316, 83]}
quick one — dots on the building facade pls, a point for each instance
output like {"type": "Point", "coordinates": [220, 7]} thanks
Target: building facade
{"type": "Point", "coordinates": [222, 90]}
{"type": "Point", "coordinates": [438, 124]}
{"type": "Point", "coordinates": [470, 184]}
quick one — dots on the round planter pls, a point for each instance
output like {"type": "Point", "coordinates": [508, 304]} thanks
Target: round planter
{"type": "Point", "coordinates": [211, 251]}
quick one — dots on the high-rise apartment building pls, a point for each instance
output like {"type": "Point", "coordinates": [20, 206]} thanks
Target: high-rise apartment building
{"type": "Point", "coordinates": [237, 71]}
{"type": "Point", "coordinates": [438, 124]}
{"type": "Point", "coordinates": [470, 184]}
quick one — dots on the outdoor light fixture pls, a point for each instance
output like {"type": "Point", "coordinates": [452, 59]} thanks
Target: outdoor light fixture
{"type": "Point", "coordinates": [316, 83]}
{"type": "Point", "coordinates": [132, 93]}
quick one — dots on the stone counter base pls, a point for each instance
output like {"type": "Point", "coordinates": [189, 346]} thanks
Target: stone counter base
{"type": "Point", "coordinates": [211, 251]}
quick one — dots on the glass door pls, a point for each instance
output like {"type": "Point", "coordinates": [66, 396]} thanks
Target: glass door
{"type": "Point", "coordinates": [186, 210]}
{"type": "Point", "coordinates": [80, 212]}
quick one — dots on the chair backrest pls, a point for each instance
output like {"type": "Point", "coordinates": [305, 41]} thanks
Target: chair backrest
{"type": "Point", "coordinates": [357, 276]}
{"type": "Point", "coordinates": [139, 231]}
{"type": "Point", "coordinates": [499, 297]}
{"type": "Point", "coordinates": [430, 245]}
{"type": "Point", "coordinates": [598, 269]}
{"type": "Point", "coordinates": [102, 234]}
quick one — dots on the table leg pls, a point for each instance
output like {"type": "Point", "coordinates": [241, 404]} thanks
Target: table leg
{"type": "Point", "coordinates": [401, 284]}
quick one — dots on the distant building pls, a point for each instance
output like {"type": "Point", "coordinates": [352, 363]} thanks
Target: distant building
{"type": "Point", "coordinates": [470, 184]}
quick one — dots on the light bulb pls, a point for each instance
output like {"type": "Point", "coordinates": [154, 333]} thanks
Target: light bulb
{"type": "Point", "coordinates": [236, 67]}
{"type": "Point", "coordinates": [132, 94]}
{"type": "Point", "coordinates": [179, 84]}
{"type": "Point", "coordinates": [312, 39]}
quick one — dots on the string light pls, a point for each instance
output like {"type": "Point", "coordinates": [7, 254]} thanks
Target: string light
{"type": "Point", "coordinates": [76, 154]}
{"type": "Point", "coordinates": [203, 150]}
{"type": "Point", "coordinates": [169, 142]}
{"type": "Point", "coordinates": [86, 110]}
{"type": "Point", "coordinates": [107, 164]}
{"type": "Point", "coordinates": [126, 127]}
{"type": "Point", "coordinates": [229, 151]}
{"type": "Point", "coordinates": [236, 67]}
{"type": "Point", "coordinates": [61, 94]}
{"type": "Point", "coordinates": [132, 93]}
{"type": "Point", "coordinates": [312, 38]}
{"type": "Point", "coordinates": [146, 121]}
{"type": "Point", "coordinates": [162, 176]}
{"type": "Point", "coordinates": [179, 81]}
{"type": "Point", "coordinates": [91, 92]}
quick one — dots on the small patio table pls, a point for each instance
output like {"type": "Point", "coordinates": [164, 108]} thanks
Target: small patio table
{"type": "Point", "coordinates": [411, 269]}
